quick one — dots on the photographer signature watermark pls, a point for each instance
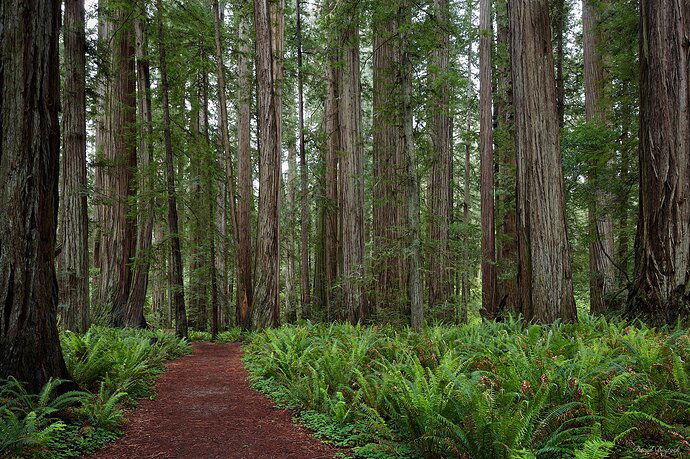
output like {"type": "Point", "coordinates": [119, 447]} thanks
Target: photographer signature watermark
{"type": "Point", "coordinates": [674, 452]}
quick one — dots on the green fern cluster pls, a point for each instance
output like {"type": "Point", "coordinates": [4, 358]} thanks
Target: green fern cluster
{"type": "Point", "coordinates": [112, 366]}
{"type": "Point", "coordinates": [488, 390]}
{"type": "Point", "coordinates": [229, 336]}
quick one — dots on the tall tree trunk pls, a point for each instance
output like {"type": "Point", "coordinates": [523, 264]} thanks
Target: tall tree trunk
{"type": "Point", "coordinates": [465, 280]}
{"type": "Point", "coordinates": [175, 250]}
{"type": "Point", "coordinates": [601, 269]}
{"type": "Point", "coordinates": [406, 147]}
{"type": "Point", "coordinates": [269, 53]}
{"type": "Point", "coordinates": [559, 31]}
{"type": "Point", "coordinates": [486, 147]}
{"type": "Point", "coordinates": [544, 273]}
{"type": "Point", "coordinates": [505, 134]}
{"type": "Point", "coordinates": [662, 268]}
{"type": "Point", "coordinates": [118, 224]}
{"type": "Point", "coordinates": [160, 278]}
{"type": "Point", "coordinates": [439, 279]}
{"type": "Point", "coordinates": [73, 260]}
{"type": "Point", "coordinates": [305, 217]}
{"type": "Point", "coordinates": [244, 261]}
{"type": "Point", "coordinates": [290, 197]}
{"type": "Point", "coordinates": [333, 149]}
{"type": "Point", "coordinates": [389, 156]}
{"type": "Point", "coordinates": [137, 298]}
{"type": "Point", "coordinates": [29, 155]}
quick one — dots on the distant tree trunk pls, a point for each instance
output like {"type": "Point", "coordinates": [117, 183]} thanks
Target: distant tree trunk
{"type": "Point", "coordinates": [305, 218]}
{"type": "Point", "coordinates": [486, 141]}
{"type": "Point", "coordinates": [601, 269]}
{"type": "Point", "coordinates": [439, 279]}
{"type": "Point", "coordinates": [623, 198]}
{"type": "Point", "coordinates": [407, 147]}
{"type": "Point", "coordinates": [175, 251]}
{"type": "Point", "coordinates": [333, 149]}
{"type": "Point", "coordinates": [662, 267]}
{"type": "Point", "coordinates": [290, 197]}
{"type": "Point", "coordinates": [465, 281]}
{"type": "Point", "coordinates": [505, 134]}
{"type": "Point", "coordinates": [118, 161]}
{"type": "Point", "coordinates": [244, 261]}
{"type": "Point", "coordinates": [29, 145]}
{"type": "Point", "coordinates": [545, 277]}
{"type": "Point", "coordinates": [73, 261]}
{"type": "Point", "coordinates": [351, 169]}
{"type": "Point", "coordinates": [137, 298]}
{"type": "Point", "coordinates": [269, 53]}
{"type": "Point", "coordinates": [160, 280]}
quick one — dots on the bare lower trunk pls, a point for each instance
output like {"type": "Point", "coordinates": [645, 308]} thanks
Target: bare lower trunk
{"type": "Point", "coordinates": [137, 299]}
{"type": "Point", "coordinates": [29, 145]}
{"type": "Point", "coordinates": [245, 290]}
{"type": "Point", "coordinates": [486, 144]}
{"type": "Point", "coordinates": [73, 261]}
{"type": "Point", "coordinates": [176, 274]}
{"type": "Point", "coordinates": [601, 269]}
{"type": "Point", "coordinates": [439, 276]}
{"type": "Point", "coordinates": [545, 277]}
{"type": "Point", "coordinates": [662, 268]}
{"type": "Point", "coordinates": [269, 53]}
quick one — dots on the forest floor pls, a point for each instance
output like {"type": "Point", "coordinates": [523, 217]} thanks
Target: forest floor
{"type": "Point", "coordinates": [205, 408]}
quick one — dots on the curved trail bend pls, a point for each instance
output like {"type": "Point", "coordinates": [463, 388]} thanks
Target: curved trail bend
{"type": "Point", "coordinates": [204, 408]}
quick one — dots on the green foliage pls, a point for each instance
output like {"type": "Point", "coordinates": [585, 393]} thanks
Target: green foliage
{"type": "Point", "coordinates": [229, 336]}
{"type": "Point", "coordinates": [494, 390]}
{"type": "Point", "coordinates": [115, 366]}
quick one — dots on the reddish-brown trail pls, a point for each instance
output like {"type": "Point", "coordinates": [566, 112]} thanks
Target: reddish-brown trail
{"type": "Point", "coordinates": [204, 408]}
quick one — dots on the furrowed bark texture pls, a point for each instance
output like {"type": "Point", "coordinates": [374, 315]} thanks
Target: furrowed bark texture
{"type": "Point", "coordinates": [544, 273]}
{"type": "Point", "coordinates": [73, 261]}
{"type": "Point", "coordinates": [29, 154]}
{"type": "Point", "coordinates": [268, 17]}
{"type": "Point", "coordinates": [660, 291]}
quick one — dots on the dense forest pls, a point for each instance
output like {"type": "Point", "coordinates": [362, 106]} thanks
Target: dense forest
{"type": "Point", "coordinates": [442, 194]}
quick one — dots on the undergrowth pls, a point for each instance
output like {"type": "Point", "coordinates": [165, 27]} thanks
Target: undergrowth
{"type": "Point", "coordinates": [229, 336]}
{"type": "Point", "coordinates": [599, 388]}
{"type": "Point", "coordinates": [112, 367]}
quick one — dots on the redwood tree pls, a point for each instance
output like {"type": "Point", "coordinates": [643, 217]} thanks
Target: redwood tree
{"type": "Point", "coordinates": [29, 151]}
{"type": "Point", "coordinates": [662, 268]}
{"type": "Point", "coordinates": [73, 259]}
{"type": "Point", "coordinates": [544, 272]}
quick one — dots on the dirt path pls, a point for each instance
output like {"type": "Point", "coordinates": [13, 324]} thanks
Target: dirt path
{"type": "Point", "coordinates": [204, 408]}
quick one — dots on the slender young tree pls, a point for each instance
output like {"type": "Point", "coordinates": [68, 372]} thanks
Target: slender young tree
{"type": "Point", "coordinates": [601, 269]}
{"type": "Point", "coordinates": [486, 147]}
{"type": "Point", "coordinates": [439, 279]}
{"type": "Point", "coordinates": [73, 259]}
{"type": "Point", "coordinates": [176, 273]}
{"type": "Point", "coordinates": [268, 23]}
{"type": "Point", "coordinates": [544, 276]}
{"type": "Point", "coordinates": [662, 267]}
{"type": "Point", "coordinates": [29, 145]}
{"type": "Point", "coordinates": [135, 306]}
{"type": "Point", "coordinates": [305, 217]}
{"type": "Point", "coordinates": [245, 291]}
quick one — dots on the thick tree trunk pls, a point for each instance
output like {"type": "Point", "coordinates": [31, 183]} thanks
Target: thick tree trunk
{"type": "Point", "coordinates": [544, 273]}
{"type": "Point", "coordinates": [601, 269]}
{"type": "Point", "coordinates": [29, 155]}
{"type": "Point", "coordinates": [439, 278]}
{"type": "Point", "coordinates": [351, 169]}
{"type": "Point", "coordinates": [269, 53]}
{"type": "Point", "coordinates": [137, 298]}
{"type": "Point", "coordinates": [662, 268]}
{"type": "Point", "coordinates": [390, 172]}
{"type": "Point", "coordinates": [486, 147]}
{"type": "Point", "coordinates": [118, 163]}
{"type": "Point", "coordinates": [506, 297]}
{"type": "Point", "coordinates": [176, 280]}
{"type": "Point", "coordinates": [73, 261]}
{"type": "Point", "coordinates": [244, 261]}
